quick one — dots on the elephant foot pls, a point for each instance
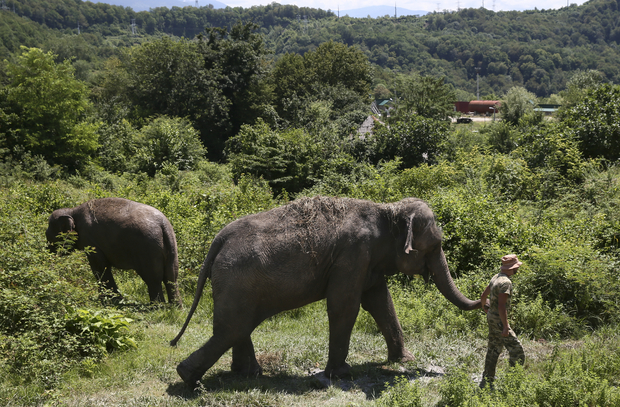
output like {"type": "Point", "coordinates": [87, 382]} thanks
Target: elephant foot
{"type": "Point", "coordinates": [189, 375]}
{"type": "Point", "coordinates": [343, 370]}
{"type": "Point", "coordinates": [249, 370]}
{"type": "Point", "coordinates": [402, 357]}
{"type": "Point", "coordinates": [115, 299]}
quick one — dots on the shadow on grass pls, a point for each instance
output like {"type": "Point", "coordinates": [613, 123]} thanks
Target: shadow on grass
{"type": "Point", "coordinates": [370, 378]}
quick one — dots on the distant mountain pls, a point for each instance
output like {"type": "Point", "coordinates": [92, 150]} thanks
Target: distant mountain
{"type": "Point", "coordinates": [372, 11]}
{"type": "Point", "coordinates": [379, 11]}
{"type": "Point", "coordinates": [145, 5]}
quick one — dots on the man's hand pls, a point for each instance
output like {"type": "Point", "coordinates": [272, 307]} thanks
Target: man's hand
{"type": "Point", "coordinates": [505, 331]}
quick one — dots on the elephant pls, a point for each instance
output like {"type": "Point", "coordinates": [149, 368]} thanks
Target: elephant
{"type": "Point", "coordinates": [126, 235]}
{"type": "Point", "coordinates": [338, 249]}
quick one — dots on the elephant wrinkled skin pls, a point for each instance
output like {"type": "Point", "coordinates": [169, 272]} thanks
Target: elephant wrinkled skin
{"type": "Point", "coordinates": [126, 235]}
{"type": "Point", "coordinates": [308, 250]}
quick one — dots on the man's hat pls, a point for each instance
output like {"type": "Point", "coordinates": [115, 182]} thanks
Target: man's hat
{"type": "Point", "coordinates": [510, 262]}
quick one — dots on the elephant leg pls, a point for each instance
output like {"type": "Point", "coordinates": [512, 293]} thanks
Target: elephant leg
{"type": "Point", "coordinates": [103, 273]}
{"type": "Point", "coordinates": [156, 294]}
{"type": "Point", "coordinates": [172, 290]}
{"type": "Point", "coordinates": [152, 273]}
{"type": "Point", "coordinates": [196, 365]}
{"type": "Point", "coordinates": [244, 359]}
{"type": "Point", "coordinates": [378, 302]}
{"type": "Point", "coordinates": [342, 315]}
{"type": "Point", "coordinates": [232, 327]}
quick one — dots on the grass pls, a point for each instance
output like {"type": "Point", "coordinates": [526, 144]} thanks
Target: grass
{"type": "Point", "coordinates": [291, 347]}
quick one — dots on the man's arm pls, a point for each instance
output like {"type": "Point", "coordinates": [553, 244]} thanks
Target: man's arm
{"type": "Point", "coordinates": [502, 299]}
{"type": "Point", "coordinates": [483, 299]}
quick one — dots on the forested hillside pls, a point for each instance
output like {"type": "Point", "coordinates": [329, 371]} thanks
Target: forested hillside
{"type": "Point", "coordinates": [538, 49]}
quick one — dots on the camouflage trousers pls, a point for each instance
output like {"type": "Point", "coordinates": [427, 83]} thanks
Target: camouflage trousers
{"type": "Point", "coordinates": [496, 345]}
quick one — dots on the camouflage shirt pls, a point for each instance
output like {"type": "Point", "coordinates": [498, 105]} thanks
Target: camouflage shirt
{"type": "Point", "coordinates": [500, 284]}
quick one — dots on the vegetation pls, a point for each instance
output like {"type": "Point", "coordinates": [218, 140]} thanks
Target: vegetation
{"type": "Point", "coordinates": [212, 128]}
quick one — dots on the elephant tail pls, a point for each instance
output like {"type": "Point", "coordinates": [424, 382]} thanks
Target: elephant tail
{"type": "Point", "coordinates": [171, 271]}
{"type": "Point", "coordinates": [205, 272]}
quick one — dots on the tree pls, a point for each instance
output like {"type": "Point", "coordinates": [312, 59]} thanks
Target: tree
{"type": "Point", "coordinates": [415, 140]}
{"type": "Point", "coordinates": [517, 103]}
{"type": "Point", "coordinates": [46, 109]}
{"type": "Point", "coordinates": [289, 160]}
{"type": "Point", "coordinates": [381, 92]}
{"type": "Point", "coordinates": [427, 97]}
{"type": "Point", "coordinates": [334, 75]}
{"type": "Point", "coordinates": [235, 60]}
{"type": "Point", "coordinates": [578, 84]}
{"type": "Point", "coordinates": [168, 142]}
{"type": "Point", "coordinates": [595, 122]}
{"type": "Point", "coordinates": [334, 64]}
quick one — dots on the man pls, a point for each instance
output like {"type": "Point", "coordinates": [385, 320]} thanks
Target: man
{"type": "Point", "coordinates": [501, 335]}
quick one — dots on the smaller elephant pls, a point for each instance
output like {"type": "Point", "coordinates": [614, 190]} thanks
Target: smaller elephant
{"type": "Point", "coordinates": [126, 235]}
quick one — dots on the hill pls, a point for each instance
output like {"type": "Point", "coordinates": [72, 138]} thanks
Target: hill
{"type": "Point", "coordinates": [537, 49]}
{"type": "Point", "coordinates": [381, 11]}
{"type": "Point", "coordinates": [140, 5]}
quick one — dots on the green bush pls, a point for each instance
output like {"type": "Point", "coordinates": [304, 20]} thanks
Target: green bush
{"type": "Point", "coordinates": [402, 393]}
{"type": "Point", "coordinates": [573, 279]}
{"type": "Point", "coordinates": [167, 142]}
{"type": "Point", "coordinates": [568, 382]}
{"type": "Point", "coordinates": [102, 330]}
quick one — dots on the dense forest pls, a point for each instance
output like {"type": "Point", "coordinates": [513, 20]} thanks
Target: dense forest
{"type": "Point", "coordinates": [537, 49]}
{"type": "Point", "coordinates": [210, 115]}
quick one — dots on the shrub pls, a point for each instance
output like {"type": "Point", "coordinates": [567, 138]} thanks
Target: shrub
{"type": "Point", "coordinates": [289, 160]}
{"type": "Point", "coordinates": [168, 142]}
{"type": "Point", "coordinates": [102, 330]}
{"type": "Point", "coordinates": [573, 279]}
{"type": "Point", "coordinates": [415, 140]}
{"type": "Point", "coordinates": [402, 393]}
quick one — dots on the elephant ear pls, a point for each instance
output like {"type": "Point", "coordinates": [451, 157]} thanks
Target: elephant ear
{"type": "Point", "coordinates": [66, 224]}
{"type": "Point", "coordinates": [409, 241]}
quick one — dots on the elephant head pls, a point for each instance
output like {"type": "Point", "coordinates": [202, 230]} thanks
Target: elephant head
{"type": "Point", "coordinates": [419, 250]}
{"type": "Point", "coordinates": [60, 221]}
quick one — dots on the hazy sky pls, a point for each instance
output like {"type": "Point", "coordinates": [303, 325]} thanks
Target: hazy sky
{"type": "Point", "coordinates": [427, 5]}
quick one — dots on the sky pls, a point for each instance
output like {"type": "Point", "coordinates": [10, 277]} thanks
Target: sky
{"type": "Point", "coordinates": [427, 5]}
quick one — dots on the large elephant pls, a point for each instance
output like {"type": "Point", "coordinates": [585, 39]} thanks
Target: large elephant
{"type": "Point", "coordinates": [126, 235]}
{"type": "Point", "coordinates": [307, 250]}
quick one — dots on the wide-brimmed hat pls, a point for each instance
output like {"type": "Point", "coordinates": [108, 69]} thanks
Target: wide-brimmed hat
{"type": "Point", "coordinates": [510, 262]}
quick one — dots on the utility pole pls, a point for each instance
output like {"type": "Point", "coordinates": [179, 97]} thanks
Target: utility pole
{"type": "Point", "coordinates": [133, 26]}
{"type": "Point", "coordinates": [78, 28]}
{"type": "Point", "coordinates": [477, 83]}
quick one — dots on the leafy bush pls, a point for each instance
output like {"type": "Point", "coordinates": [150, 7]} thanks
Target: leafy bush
{"type": "Point", "coordinates": [457, 389]}
{"type": "Point", "coordinates": [289, 160]}
{"type": "Point", "coordinates": [477, 231]}
{"type": "Point", "coordinates": [517, 104]}
{"type": "Point", "coordinates": [595, 122]}
{"type": "Point", "coordinates": [402, 393]}
{"type": "Point", "coordinates": [569, 381]}
{"type": "Point", "coordinates": [168, 142]}
{"type": "Point", "coordinates": [415, 140]}
{"type": "Point", "coordinates": [536, 319]}
{"type": "Point", "coordinates": [566, 382]}
{"type": "Point", "coordinates": [102, 330]}
{"type": "Point", "coordinates": [574, 280]}
{"type": "Point", "coordinates": [46, 111]}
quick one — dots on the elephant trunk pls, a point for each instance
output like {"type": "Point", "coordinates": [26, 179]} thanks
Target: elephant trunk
{"type": "Point", "coordinates": [443, 280]}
